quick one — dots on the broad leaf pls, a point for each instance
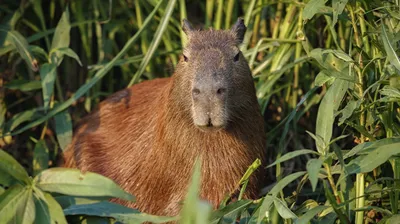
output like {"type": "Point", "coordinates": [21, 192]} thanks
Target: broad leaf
{"type": "Point", "coordinates": [69, 52]}
{"type": "Point", "coordinates": [390, 51]}
{"type": "Point", "coordinates": [306, 218]}
{"type": "Point", "coordinates": [61, 36]}
{"type": "Point", "coordinates": [13, 201]}
{"type": "Point", "coordinates": [313, 7]}
{"type": "Point", "coordinates": [284, 182]}
{"type": "Point", "coordinates": [11, 167]}
{"type": "Point", "coordinates": [74, 182]}
{"type": "Point", "coordinates": [283, 210]}
{"type": "Point", "coordinates": [313, 167]}
{"type": "Point", "coordinates": [327, 108]}
{"type": "Point", "coordinates": [22, 46]}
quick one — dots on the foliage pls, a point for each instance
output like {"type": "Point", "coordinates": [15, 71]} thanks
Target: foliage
{"type": "Point", "coordinates": [327, 79]}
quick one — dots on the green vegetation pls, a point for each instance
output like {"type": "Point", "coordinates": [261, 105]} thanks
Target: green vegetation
{"type": "Point", "coordinates": [327, 77]}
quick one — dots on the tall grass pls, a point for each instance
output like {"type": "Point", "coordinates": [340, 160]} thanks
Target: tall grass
{"type": "Point", "coordinates": [327, 79]}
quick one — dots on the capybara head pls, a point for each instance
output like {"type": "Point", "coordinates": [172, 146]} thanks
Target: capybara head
{"type": "Point", "coordinates": [216, 74]}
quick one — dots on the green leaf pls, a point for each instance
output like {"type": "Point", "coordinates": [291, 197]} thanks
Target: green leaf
{"type": "Point", "coordinates": [12, 201]}
{"type": "Point", "coordinates": [61, 37]}
{"type": "Point", "coordinates": [327, 108]}
{"type": "Point", "coordinates": [284, 182]}
{"type": "Point", "coordinates": [313, 7]}
{"type": "Point", "coordinates": [348, 111]}
{"type": "Point", "coordinates": [26, 210]}
{"type": "Point", "coordinates": [390, 51]}
{"type": "Point", "coordinates": [65, 200]}
{"type": "Point", "coordinates": [155, 42]}
{"type": "Point", "coordinates": [24, 85]}
{"type": "Point", "coordinates": [230, 212]}
{"type": "Point", "coordinates": [69, 52]}
{"type": "Point", "coordinates": [42, 211]}
{"type": "Point", "coordinates": [262, 210]}
{"type": "Point", "coordinates": [22, 117]}
{"type": "Point", "coordinates": [306, 218]}
{"type": "Point", "coordinates": [322, 78]}
{"type": "Point", "coordinates": [22, 46]}
{"type": "Point", "coordinates": [74, 182]}
{"type": "Point", "coordinates": [291, 155]}
{"type": "Point", "coordinates": [253, 167]}
{"type": "Point", "coordinates": [48, 73]}
{"type": "Point", "coordinates": [190, 211]}
{"type": "Point", "coordinates": [283, 210]}
{"type": "Point", "coordinates": [390, 91]}
{"type": "Point", "coordinates": [338, 7]}
{"type": "Point", "coordinates": [40, 157]}
{"type": "Point", "coordinates": [11, 167]}
{"type": "Point", "coordinates": [97, 77]}
{"type": "Point", "coordinates": [56, 212]}
{"type": "Point", "coordinates": [366, 163]}
{"type": "Point", "coordinates": [313, 167]}
{"type": "Point", "coordinates": [63, 129]}
{"type": "Point", "coordinates": [369, 146]}
{"type": "Point", "coordinates": [119, 212]}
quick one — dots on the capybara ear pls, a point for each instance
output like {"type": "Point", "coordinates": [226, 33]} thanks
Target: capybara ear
{"type": "Point", "coordinates": [187, 27]}
{"type": "Point", "coordinates": [239, 29]}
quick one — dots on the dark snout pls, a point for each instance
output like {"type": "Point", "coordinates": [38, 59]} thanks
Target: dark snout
{"type": "Point", "coordinates": [209, 99]}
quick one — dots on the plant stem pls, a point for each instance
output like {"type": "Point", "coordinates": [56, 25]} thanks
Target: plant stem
{"type": "Point", "coordinates": [332, 182]}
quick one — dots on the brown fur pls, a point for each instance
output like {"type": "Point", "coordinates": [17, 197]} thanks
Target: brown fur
{"type": "Point", "coordinates": [144, 138]}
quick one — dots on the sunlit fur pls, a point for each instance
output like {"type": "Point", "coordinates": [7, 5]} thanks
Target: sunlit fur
{"type": "Point", "coordinates": [145, 138]}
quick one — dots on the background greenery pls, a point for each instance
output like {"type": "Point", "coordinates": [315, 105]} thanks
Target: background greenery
{"type": "Point", "coordinates": [327, 78]}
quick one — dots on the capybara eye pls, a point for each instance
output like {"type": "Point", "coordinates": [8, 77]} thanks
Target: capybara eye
{"type": "Point", "coordinates": [236, 58]}
{"type": "Point", "coordinates": [185, 58]}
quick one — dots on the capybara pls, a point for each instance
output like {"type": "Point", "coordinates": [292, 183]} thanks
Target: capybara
{"type": "Point", "coordinates": [147, 137]}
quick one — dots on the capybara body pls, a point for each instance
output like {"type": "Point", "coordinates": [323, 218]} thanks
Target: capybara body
{"type": "Point", "coordinates": [147, 137]}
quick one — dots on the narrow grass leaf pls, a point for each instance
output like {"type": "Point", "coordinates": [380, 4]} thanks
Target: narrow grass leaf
{"type": "Point", "coordinates": [291, 155]}
{"type": "Point", "coordinates": [17, 119]}
{"type": "Point", "coordinates": [313, 167]}
{"type": "Point", "coordinates": [155, 42]}
{"type": "Point", "coordinates": [262, 210]}
{"type": "Point", "coordinates": [23, 85]}
{"type": "Point", "coordinates": [232, 211]}
{"type": "Point", "coordinates": [118, 212]}
{"type": "Point", "coordinates": [63, 128]}
{"type": "Point", "coordinates": [284, 182]}
{"type": "Point", "coordinates": [10, 201]}
{"type": "Point", "coordinates": [390, 51]}
{"type": "Point", "coordinates": [190, 211]}
{"type": "Point", "coordinates": [283, 210]}
{"type": "Point", "coordinates": [40, 157]}
{"type": "Point", "coordinates": [22, 46]}
{"type": "Point", "coordinates": [74, 182]}
{"type": "Point", "coordinates": [11, 167]}
{"type": "Point", "coordinates": [97, 77]}
{"type": "Point", "coordinates": [306, 218]}
{"type": "Point", "coordinates": [48, 73]}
